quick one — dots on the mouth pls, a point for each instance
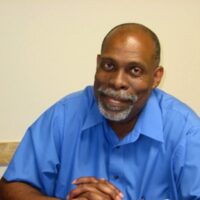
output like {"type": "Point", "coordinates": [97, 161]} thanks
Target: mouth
{"type": "Point", "coordinates": [113, 103]}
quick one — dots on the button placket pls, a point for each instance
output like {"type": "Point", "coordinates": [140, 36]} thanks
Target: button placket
{"type": "Point", "coordinates": [116, 166]}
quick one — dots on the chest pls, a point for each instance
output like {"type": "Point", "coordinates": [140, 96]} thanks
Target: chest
{"type": "Point", "coordinates": [138, 169]}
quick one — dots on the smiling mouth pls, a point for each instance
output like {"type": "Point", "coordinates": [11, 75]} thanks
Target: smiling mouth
{"type": "Point", "coordinates": [114, 104]}
{"type": "Point", "coordinates": [115, 101]}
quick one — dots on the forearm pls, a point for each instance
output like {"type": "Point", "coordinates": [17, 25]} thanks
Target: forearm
{"type": "Point", "coordinates": [22, 191]}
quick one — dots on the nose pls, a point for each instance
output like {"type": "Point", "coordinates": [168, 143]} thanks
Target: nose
{"type": "Point", "coordinates": [118, 80]}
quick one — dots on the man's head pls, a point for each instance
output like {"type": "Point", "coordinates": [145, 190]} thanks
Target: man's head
{"type": "Point", "coordinates": [127, 71]}
{"type": "Point", "coordinates": [128, 27]}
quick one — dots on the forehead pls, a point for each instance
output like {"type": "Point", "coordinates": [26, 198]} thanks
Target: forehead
{"type": "Point", "coordinates": [134, 46]}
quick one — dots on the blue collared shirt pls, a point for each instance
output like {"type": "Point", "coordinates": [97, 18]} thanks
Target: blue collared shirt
{"type": "Point", "coordinates": [157, 160]}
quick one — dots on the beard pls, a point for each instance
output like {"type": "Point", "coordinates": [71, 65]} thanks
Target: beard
{"type": "Point", "coordinates": [114, 112]}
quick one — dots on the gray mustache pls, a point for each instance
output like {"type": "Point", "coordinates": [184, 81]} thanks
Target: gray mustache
{"type": "Point", "coordinates": [121, 94]}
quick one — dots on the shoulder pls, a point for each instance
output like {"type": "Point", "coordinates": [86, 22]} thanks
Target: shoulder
{"type": "Point", "coordinates": [73, 108]}
{"type": "Point", "coordinates": [173, 108]}
{"type": "Point", "coordinates": [76, 103]}
{"type": "Point", "coordinates": [84, 96]}
{"type": "Point", "coordinates": [66, 114]}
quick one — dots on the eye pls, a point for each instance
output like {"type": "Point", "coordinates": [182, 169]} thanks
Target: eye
{"type": "Point", "coordinates": [107, 66]}
{"type": "Point", "coordinates": [136, 71]}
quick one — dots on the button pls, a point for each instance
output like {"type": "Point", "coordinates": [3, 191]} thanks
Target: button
{"type": "Point", "coordinates": [116, 177]}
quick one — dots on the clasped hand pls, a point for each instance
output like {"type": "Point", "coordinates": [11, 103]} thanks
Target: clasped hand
{"type": "Point", "coordinates": [91, 188]}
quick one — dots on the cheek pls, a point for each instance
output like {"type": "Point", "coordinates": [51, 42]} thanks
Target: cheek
{"type": "Point", "coordinates": [101, 78]}
{"type": "Point", "coordinates": [141, 86]}
{"type": "Point", "coordinates": [98, 82]}
{"type": "Point", "coordinates": [142, 89]}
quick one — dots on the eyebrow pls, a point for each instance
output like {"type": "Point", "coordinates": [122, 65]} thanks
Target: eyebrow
{"type": "Point", "coordinates": [108, 58]}
{"type": "Point", "coordinates": [139, 64]}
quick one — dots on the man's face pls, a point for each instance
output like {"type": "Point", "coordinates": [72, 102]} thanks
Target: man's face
{"type": "Point", "coordinates": [125, 76]}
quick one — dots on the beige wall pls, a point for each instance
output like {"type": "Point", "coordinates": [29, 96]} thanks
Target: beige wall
{"type": "Point", "coordinates": [48, 49]}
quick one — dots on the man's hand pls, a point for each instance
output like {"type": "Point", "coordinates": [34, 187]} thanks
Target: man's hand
{"type": "Point", "coordinates": [90, 188]}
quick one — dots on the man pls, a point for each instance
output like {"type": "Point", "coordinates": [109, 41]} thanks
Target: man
{"type": "Point", "coordinates": [122, 139]}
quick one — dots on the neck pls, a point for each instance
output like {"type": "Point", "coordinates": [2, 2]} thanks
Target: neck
{"type": "Point", "coordinates": [123, 128]}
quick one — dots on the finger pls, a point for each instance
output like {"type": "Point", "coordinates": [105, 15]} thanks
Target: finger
{"type": "Point", "coordinates": [86, 179]}
{"type": "Point", "coordinates": [91, 179]}
{"type": "Point", "coordinates": [102, 187]}
{"type": "Point", "coordinates": [82, 188]}
{"type": "Point", "coordinates": [77, 198]}
{"type": "Point", "coordinates": [80, 198]}
{"type": "Point", "coordinates": [95, 195]}
{"type": "Point", "coordinates": [110, 185]}
{"type": "Point", "coordinates": [109, 189]}
{"type": "Point", "coordinates": [85, 184]}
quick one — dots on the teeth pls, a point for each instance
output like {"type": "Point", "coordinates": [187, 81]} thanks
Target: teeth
{"type": "Point", "coordinates": [115, 101]}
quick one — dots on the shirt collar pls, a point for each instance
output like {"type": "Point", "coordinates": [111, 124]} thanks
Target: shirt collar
{"type": "Point", "coordinates": [150, 120]}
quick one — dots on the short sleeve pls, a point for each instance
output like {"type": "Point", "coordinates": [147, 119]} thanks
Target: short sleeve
{"type": "Point", "coordinates": [36, 160]}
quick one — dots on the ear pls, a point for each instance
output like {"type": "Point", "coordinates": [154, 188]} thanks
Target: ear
{"type": "Point", "coordinates": [158, 74]}
{"type": "Point", "coordinates": [98, 60]}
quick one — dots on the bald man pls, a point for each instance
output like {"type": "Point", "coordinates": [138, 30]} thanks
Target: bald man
{"type": "Point", "coordinates": [122, 139]}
